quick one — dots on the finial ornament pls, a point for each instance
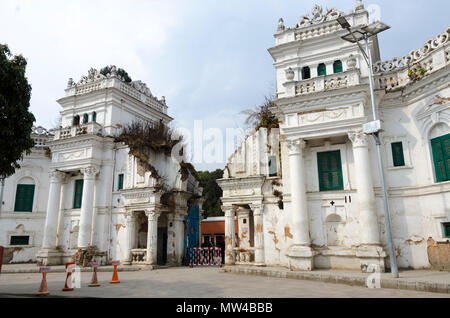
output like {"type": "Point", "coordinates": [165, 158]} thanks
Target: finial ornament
{"type": "Point", "coordinates": [281, 26]}
{"type": "Point", "coordinates": [359, 5]}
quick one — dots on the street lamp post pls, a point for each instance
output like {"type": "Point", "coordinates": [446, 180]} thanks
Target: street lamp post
{"type": "Point", "coordinates": [374, 127]}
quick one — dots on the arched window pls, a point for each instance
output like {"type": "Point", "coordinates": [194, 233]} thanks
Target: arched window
{"type": "Point", "coordinates": [337, 67]}
{"type": "Point", "coordinates": [76, 120]}
{"type": "Point", "coordinates": [85, 118]}
{"type": "Point", "coordinates": [322, 69]}
{"type": "Point", "coordinates": [440, 148]}
{"type": "Point", "coordinates": [94, 117]}
{"type": "Point", "coordinates": [306, 73]}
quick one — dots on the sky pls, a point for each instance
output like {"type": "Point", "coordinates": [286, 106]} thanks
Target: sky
{"type": "Point", "coordinates": [207, 57]}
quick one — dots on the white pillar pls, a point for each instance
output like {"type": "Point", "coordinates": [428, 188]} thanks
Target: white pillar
{"type": "Point", "coordinates": [60, 231]}
{"type": "Point", "coordinates": [152, 237]}
{"type": "Point", "coordinates": [54, 200]}
{"type": "Point", "coordinates": [87, 204]}
{"type": "Point", "coordinates": [258, 212]}
{"type": "Point", "coordinates": [178, 238]}
{"type": "Point", "coordinates": [131, 236]}
{"type": "Point", "coordinates": [171, 259]}
{"type": "Point", "coordinates": [369, 231]}
{"type": "Point", "coordinates": [301, 255]}
{"type": "Point", "coordinates": [229, 236]}
{"type": "Point", "coordinates": [299, 210]}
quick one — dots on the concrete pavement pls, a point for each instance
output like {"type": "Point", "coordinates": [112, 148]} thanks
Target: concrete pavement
{"type": "Point", "coordinates": [185, 282]}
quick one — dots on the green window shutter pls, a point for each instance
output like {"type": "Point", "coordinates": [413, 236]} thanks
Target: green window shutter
{"type": "Point", "coordinates": [337, 67]}
{"type": "Point", "coordinates": [306, 73]}
{"type": "Point", "coordinates": [19, 240]}
{"type": "Point", "coordinates": [94, 117]}
{"type": "Point", "coordinates": [120, 187]}
{"type": "Point", "coordinates": [85, 118]}
{"type": "Point", "coordinates": [330, 171]}
{"type": "Point", "coordinates": [321, 70]}
{"type": "Point", "coordinates": [447, 230]}
{"type": "Point", "coordinates": [24, 198]}
{"type": "Point", "coordinates": [78, 194]}
{"type": "Point", "coordinates": [397, 154]}
{"type": "Point", "coordinates": [441, 156]}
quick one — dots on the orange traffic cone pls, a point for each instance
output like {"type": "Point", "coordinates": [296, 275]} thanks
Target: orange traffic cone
{"type": "Point", "coordinates": [94, 281]}
{"type": "Point", "coordinates": [68, 283]}
{"type": "Point", "coordinates": [43, 291]}
{"type": "Point", "coordinates": [115, 277]}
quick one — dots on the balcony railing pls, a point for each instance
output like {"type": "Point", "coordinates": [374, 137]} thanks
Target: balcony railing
{"type": "Point", "coordinates": [138, 256]}
{"type": "Point", "coordinates": [323, 83]}
{"type": "Point", "coordinates": [85, 129]}
{"type": "Point", "coordinates": [433, 56]}
{"type": "Point", "coordinates": [244, 256]}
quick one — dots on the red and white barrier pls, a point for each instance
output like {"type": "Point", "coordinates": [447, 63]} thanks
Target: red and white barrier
{"type": "Point", "coordinates": [205, 256]}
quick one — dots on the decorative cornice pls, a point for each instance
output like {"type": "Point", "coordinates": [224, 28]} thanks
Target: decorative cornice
{"type": "Point", "coordinates": [95, 81]}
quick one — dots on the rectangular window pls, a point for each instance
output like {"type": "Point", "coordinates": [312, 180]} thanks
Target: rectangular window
{"type": "Point", "coordinates": [446, 230]}
{"type": "Point", "coordinates": [19, 240]}
{"type": "Point", "coordinates": [78, 194]}
{"type": "Point", "coordinates": [120, 186]}
{"type": "Point", "coordinates": [272, 166]}
{"type": "Point", "coordinates": [441, 156]}
{"type": "Point", "coordinates": [24, 198]}
{"type": "Point", "coordinates": [330, 171]}
{"type": "Point", "coordinates": [397, 154]}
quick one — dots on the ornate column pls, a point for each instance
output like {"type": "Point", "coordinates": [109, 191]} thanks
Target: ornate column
{"type": "Point", "coordinates": [49, 255]}
{"type": "Point", "coordinates": [370, 250]}
{"type": "Point", "coordinates": [60, 231]}
{"type": "Point", "coordinates": [178, 237]}
{"type": "Point", "coordinates": [152, 236]}
{"type": "Point", "coordinates": [87, 204]}
{"type": "Point", "coordinates": [171, 259]}
{"type": "Point", "coordinates": [131, 236]}
{"type": "Point", "coordinates": [258, 212]}
{"type": "Point", "coordinates": [301, 254]}
{"type": "Point", "coordinates": [53, 205]}
{"type": "Point", "coordinates": [229, 235]}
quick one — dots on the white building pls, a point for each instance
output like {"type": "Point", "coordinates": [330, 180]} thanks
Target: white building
{"type": "Point", "coordinates": [308, 195]}
{"type": "Point", "coordinates": [98, 194]}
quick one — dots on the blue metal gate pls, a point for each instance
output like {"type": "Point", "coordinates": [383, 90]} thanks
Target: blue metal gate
{"type": "Point", "coordinates": [191, 232]}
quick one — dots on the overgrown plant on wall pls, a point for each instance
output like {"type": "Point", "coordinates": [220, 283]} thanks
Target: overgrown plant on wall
{"type": "Point", "coordinates": [144, 137]}
{"type": "Point", "coordinates": [261, 116]}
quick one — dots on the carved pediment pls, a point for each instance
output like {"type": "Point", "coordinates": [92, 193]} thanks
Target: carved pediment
{"type": "Point", "coordinates": [318, 16]}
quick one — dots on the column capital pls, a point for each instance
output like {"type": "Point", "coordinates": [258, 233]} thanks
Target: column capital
{"type": "Point", "coordinates": [90, 172]}
{"type": "Point", "coordinates": [295, 146]}
{"type": "Point", "coordinates": [152, 215]}
{"type": "Point", "coordinates": [57, 176]}
{"type": "Point", "coordinates": [229, 211]}
{"type": "Point", "coordinates": [130, 216]}
{"type": "Point", "coordinates": [358, 138]}
{"type": "Point", "coordinates": [257, 209]}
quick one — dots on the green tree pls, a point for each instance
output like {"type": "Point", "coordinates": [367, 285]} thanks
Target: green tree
{"type": "Point", "coordinates": [121, 72]}
{"type": "Point", "coordinates": [16, 121]}
{"type": "Point", "coordinates": [211, 192]}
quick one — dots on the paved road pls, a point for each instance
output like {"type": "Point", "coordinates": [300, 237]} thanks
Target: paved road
{"type": "Point", "coordinates": [194, 283]}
